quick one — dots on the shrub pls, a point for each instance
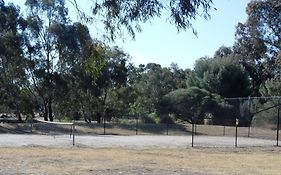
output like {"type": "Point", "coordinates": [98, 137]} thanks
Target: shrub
{"type": "Point", "coordinates": [148, 119]}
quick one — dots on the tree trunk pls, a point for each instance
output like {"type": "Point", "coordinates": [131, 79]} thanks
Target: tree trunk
{"type": "Point", "coordinates": [45, 113]}
{"type": "Point", "coordinates": [19, 117]}
{"type": "Point", "coordinates": [51, 117]}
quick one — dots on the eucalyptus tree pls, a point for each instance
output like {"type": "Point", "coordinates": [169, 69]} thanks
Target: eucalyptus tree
{"type": "Point", "coordinates": [259, 41]}
{"type": "Point", "coordinates": [80, 60]}
{"type": "Point", "coordinates": [88, 72]}
{"type": "Point", "coordinates": [152, 82]}
{"type": "Point", "coordinates": [111, 81]}
{"type": "Point", "coordinates": [12, 63]}
{"type": "Point", "coordinates": [42, 18]}
{"type": "Point", "coordinates": [263, 43]}
{"type": "Point", "coordinates": [179, 76]}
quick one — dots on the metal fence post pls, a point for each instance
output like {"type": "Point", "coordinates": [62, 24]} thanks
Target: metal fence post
{"type": "Point", "coordinates": [31, 125]}
{"type": "Point", "coordinates": [192, 135]}
{"type": "Point", "coordinates": [236, 131]}
{"type": "Point", "coordinates": [137, 125]}
{"type": "Point", "coordinates": [104, 125]}
{"type": "Point", "coordinates": [224, 113]}
{"type": "Point", "coordinates": [249, 106]}
{"type": "Point", "coordinates": [278, 125]}
{"type": "Point", "coordinates": [73, 132]}
{"type": "Point", "coordinates": [167, 126]}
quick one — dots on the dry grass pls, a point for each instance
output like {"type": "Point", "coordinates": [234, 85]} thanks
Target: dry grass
{"type": "Point", "coordinates": [255, 132]}
{"type": "Point", "coordinates": [39, 160]}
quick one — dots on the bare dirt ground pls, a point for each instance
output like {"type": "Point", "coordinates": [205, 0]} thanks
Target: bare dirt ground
{"type": "Point", "coordinates": [151, 155]}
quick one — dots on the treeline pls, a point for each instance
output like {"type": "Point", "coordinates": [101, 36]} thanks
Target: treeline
{"type": "Point", "coordinates": [53, 67]}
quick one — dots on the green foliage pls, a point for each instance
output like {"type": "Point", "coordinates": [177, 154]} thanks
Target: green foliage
{"type": "Point", "coordinates": [266, 118]}
{"type": "Point", "coordinates": [44, 19]}
{"type": "Point", "coordinates": [271, 87]}
{"type": "Point", "coordinates": [150, 118]}
{"type": "Point", "coordinates": [187, 103]}
{"type": "Point", "coordinates": [94, 84]}
{"type": "Point", "coordinates": [118, 16]}
{"type": "Point", "coordinates": [220, 75]}
{"type": "Point", "coordinates": [152, 82]}
{"type": "Point", "coordinates": [94, 64]}
{"type": "Point", "coordinates": [53, 66]}
{"type": "Point", "coordinates": [155, 117]}
{"type": "Point", "coordinates": [27, 103]}
{"type": "Point", "coordinates": [257, 41]}
{"type": "Point", "coordinates": [13, 77]}
{"type": "Point", "coordinates": [234, 81]}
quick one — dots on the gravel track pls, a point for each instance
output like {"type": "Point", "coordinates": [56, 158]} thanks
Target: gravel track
{"type": "Point", "coordinates": [140, 141]}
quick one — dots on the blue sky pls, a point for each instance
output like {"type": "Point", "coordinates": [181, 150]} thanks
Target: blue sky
{"type": "Point", "coordinates": [160, 42]}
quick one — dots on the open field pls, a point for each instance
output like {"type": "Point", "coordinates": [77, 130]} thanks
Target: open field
{"type": "Point", "coordinates": [210, 161]}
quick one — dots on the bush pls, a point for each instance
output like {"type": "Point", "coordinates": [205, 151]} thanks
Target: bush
{"type": "Point", "coordinates": [154, 117]}
{"type": "Point", "coordinates": [266, 121]}
{"type": "Point", "coordinates": [150, 118]}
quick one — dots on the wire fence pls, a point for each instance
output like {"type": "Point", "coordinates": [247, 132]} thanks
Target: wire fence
{"type": "Point", "coordinates": [200, 134]}
{"type": "Point", "coordinates": [243, 118]}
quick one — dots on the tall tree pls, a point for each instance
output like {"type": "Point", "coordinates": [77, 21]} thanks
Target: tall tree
{"type": "Point", "coordinates": [12, 63]}
{"type": "Point", "coordinates": [80, 63]}
{"type": "Point", "coordinates": [43, 17]}
{"type": "Point", "coordinates": [220, 75]}
{"type": "Point", "coordinates": [113, 77]}
{"type": "Point", "coordinates": [259, 40]}
{"type": "Point", "coordinates": [191, 102]}
{"type": "Point", "coordinates": [152, 82]}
